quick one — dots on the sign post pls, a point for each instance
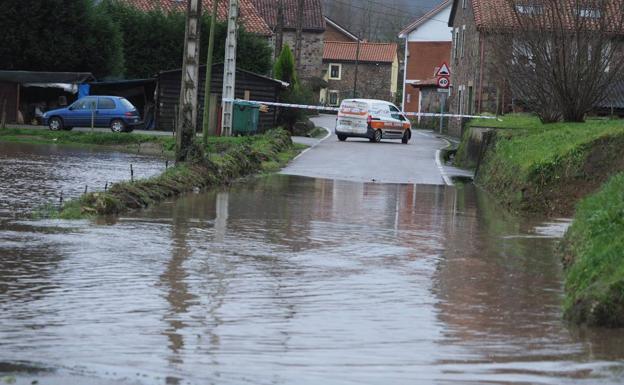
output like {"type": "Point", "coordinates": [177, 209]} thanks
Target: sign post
{"type": "Point", "coordinates": [444, 83]}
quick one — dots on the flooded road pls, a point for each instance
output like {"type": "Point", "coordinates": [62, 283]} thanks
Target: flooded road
{"type": "Point", "coordinates": [293, 280]}
{"type": "Point", "coordinates": [34, 175]}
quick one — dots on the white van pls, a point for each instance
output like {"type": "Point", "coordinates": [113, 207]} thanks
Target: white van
{"type": "Point", "coordinates": [372, 119]}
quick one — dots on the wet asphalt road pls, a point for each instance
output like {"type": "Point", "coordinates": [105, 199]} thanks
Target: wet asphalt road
{"type": "Point", "coordinates": [359, 160]}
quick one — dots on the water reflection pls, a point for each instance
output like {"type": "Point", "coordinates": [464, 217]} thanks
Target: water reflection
{"type": "Point", "coordinates": [293, 280]}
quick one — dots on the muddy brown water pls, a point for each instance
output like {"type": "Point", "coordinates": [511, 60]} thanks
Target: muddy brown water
{"type": "Point", "coordinates": [291, 280]}
{"type": "Point", "coordinates": [35, 175]}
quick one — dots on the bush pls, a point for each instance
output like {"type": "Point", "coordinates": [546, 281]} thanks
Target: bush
{"type": "Point", "coordinates": [59, 35]}
{"type": "Point", "coordinates": [153, 41]}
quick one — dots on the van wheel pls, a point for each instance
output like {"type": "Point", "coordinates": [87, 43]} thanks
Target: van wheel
{"type": "Point", "coordinates": [377, 136]}
{"type": "Point", "coordinates": [406, 137]}
{"type": "Point", "coordinates": [342, 138]}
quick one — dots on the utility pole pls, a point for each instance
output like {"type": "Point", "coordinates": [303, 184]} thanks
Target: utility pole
{"type": "Point", "coordinates": [298, 34]}
{"type": "Point", "coordinates": [207, 83]}
{"type": "Point", "coordinates": [229, 70]}
{"type": "Point", "coordinates": [279, 33]}
{"type": "Point", "coordinates": [187, 118]}
{"type": "Point", "coordinates": [357, 62]}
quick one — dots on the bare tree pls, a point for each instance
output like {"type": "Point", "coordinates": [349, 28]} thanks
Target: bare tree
{"type": "Point", "coordinates": [559, 57]}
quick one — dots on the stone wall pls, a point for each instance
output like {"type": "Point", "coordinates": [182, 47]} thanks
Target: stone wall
{"type": "Point", "coordinates": [374, 81]}
{"type": "Point", "coordinates": [311, 53]}
{"type": "Point", "coordinates": [479, 92]}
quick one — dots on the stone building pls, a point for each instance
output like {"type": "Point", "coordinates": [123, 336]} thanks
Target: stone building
{"type": "Point", "coordinates": [475, 88]}
{"type": "Point", "coordinates": [336, 32]}
{"type": "Point", "coordinates": [427, 47]}
{"type": "Point", "coordinates": [313, 31]}
{"type": "Point", "coordinates": [377, 68]}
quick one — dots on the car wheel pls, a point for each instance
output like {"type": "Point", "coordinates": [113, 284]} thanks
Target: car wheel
{"type": "Point", "coordinates": [117, 125]}
{"type": "Point", "coordinates": [406, 137]}
{"type": "Point", "coordinates": [55, 124]}
{"type": "Point", "coordinates": [377, 136]}
{"type": "Point", "coordinates": [342, 138]}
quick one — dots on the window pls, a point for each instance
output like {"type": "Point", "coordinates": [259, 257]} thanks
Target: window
{"type": "Point", "coordinates": [456, 43]}
{"type": "Point", "coordinates": [464, 4]}
{"type": "Point", "coordinates": [463, 40]}
{"type": "Point", "coordinates": [460, 100]}
{"type": "Point", "coordinates": [591, 13]}
{"type": "Point", "coordinates": [84, 104]}
{"type": "Point", "coordinates": [530, 9]}
{"type": "Point", "coordinates": [522, 54]}
{"type": "Point", "coordinates": [106, 104]}
{"type": "Point", "coordinates": [127, 104]}
{"type": "Point", "coordinates": [335, 71]}
{"type": "Point", "coordinates": [333, 98]}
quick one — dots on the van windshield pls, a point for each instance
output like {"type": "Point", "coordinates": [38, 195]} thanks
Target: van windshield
{"type": "Point", "coordinates": [352, 107]}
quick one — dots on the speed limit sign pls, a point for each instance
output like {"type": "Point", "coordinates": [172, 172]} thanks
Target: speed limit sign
{"type": "Point", "coordinates": [443, 81]}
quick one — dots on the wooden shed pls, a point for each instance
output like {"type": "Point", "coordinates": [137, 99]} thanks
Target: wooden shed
{"type": "Point", "coordinates": [249, 86]}
{"type": "Point", "coordinates": [24, 91]}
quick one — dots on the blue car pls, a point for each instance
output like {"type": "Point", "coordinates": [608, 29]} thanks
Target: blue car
{"type": "Point", "coordinates": [105, 111]}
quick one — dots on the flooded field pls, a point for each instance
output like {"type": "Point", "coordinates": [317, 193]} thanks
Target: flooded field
{"type": "Point", "coordinates": [34, 175]}
{"type": "Point", "coordinates": [291, 280]}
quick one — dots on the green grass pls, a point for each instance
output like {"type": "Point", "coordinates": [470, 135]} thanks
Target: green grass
{"type": "Point", "coordinates": [510, 121]}
{"type": "Point", "coordinates": [530, 161]}
{"type": "Point", "coordinates": [229, 158]}
{"type": "Point", "coordinates": [37, 136]}
{"type": "Point", "coordinates": [594, 246]}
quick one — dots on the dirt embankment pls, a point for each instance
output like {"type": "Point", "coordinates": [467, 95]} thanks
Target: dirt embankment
{"type": "Point", "coordinates": [565, 169]}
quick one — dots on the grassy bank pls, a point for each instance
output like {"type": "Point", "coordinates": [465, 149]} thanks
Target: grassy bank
{"type": "Point", "coordinates": [533, 167]}
{"type": "Point", "coordinates": [226, 160]}
{"type": "Point", "coordinates": [593, 251]}
{"type": "Point", "coordinates": [165, 143]}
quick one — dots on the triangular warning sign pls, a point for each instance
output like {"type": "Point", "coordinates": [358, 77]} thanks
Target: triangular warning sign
{"type": "Point", "coordinates": [443, 71]}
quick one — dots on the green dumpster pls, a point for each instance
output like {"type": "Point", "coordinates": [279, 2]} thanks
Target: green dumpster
{"type": "Point", "coordinates": [245, 119]}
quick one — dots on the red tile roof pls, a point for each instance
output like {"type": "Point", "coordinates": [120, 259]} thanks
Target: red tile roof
{"type": "Point", "coordinates": [500, 14]}
{"type": "Point", "coordinates": [369, 52]}
{"type": "Point", "coordinates": [313, 19]}
{"type": "Point", "coordinates": [251, 20]}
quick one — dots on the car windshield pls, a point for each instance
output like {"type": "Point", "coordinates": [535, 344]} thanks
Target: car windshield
{"type": "Point", "coordinates": [127, 104]}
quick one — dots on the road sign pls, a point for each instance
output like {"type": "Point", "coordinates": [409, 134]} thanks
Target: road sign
{"type": "Point", "coordinates": [443, 70]}
{"type": "Point", "coordinates": [443, 82]}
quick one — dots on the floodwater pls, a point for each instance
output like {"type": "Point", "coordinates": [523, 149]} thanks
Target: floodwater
{"type": "Point", "coordinates": [292, 280]}
{"type": "Point", "coordinates": [33, 175]}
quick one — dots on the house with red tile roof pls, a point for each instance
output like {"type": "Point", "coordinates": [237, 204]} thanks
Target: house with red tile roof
{"type": "Point", "coordinates": [427, 47]}
{"type": "Point", "coordinates": [474, 87]}
{"type": "Point", "coordinates": [376, 66]}
{"type": "Point", "coordinates": [312, 36]}
{"type": "Point", "coordinates": [251, 20]}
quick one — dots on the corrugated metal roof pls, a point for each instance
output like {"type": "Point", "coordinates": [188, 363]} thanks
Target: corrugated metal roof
{"type": "Point", "coordinates": [313, 19]}
{"type": "Point", "coordinates": [369, 52]}
{"type": "Point", "coordinates": [252, 21]}
{"type": "Point", "coordinates": [46, 77]}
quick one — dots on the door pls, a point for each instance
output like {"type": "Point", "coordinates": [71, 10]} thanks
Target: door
{"type": "Point", "coordinates": [79, 114]}
{"type": "Point", "coordinates": [396, 119]}
{"type": "Point", "coordinates": [106, 111]}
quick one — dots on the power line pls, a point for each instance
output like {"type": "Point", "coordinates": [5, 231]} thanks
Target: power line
{"type": "Point", "coordinates": [400, 14]}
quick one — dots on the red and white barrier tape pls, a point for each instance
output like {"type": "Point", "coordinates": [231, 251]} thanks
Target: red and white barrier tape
{"type": "Point", "coordinates": [324, 108]}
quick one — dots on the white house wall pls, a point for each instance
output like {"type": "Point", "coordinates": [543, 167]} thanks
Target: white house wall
{"type": "Point", "coordinates": [434, 29]}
